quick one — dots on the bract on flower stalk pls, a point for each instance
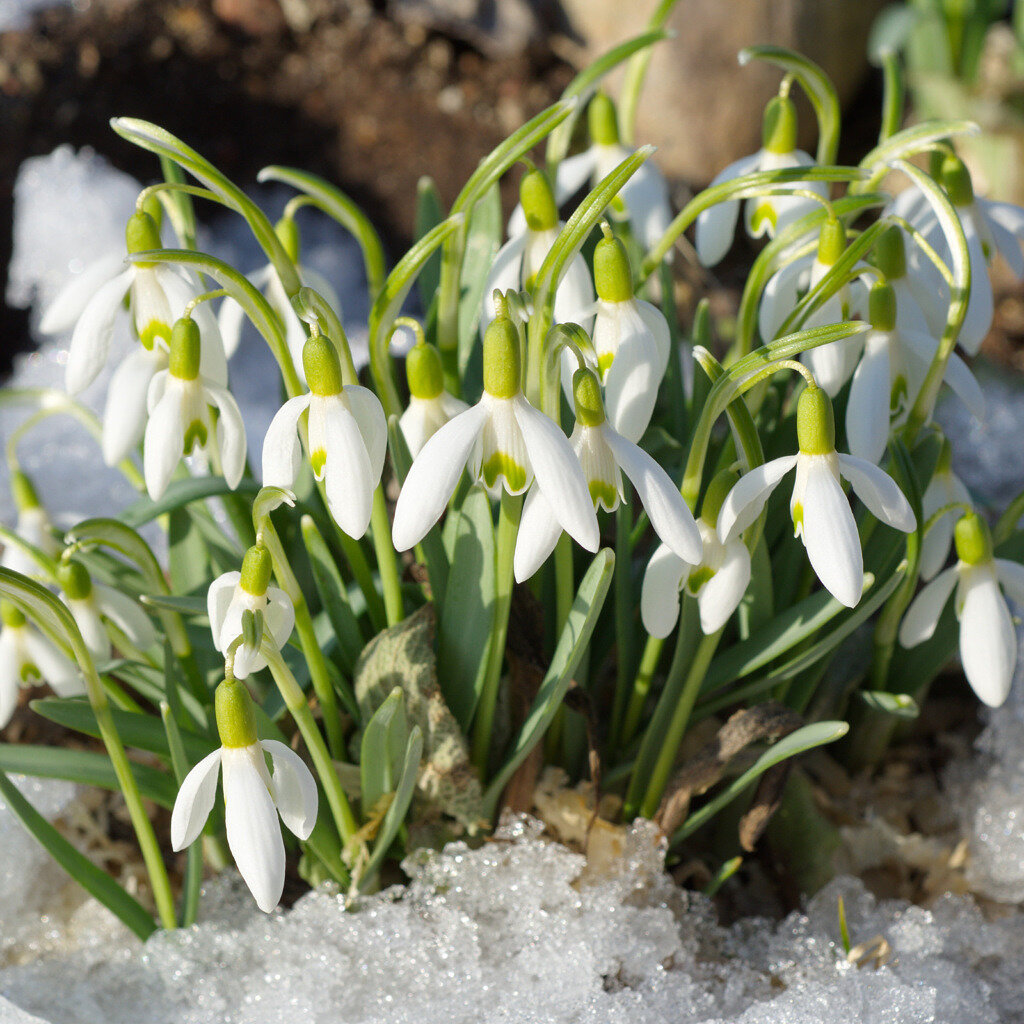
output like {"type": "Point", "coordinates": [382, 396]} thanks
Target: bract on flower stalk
{"type": "Point", "coordinates": [233, 594]}
{"type": "Point", "coordinates": [767, 214]}
{"type": "Point", "coordinates": [988, 641]}
{"type": "Point", "coordinates": [347, 438]}
{"type": "Point", "coordinates": [253, 797]}
{"type": "Point", "coordinates": [821, 513]}
{"type": "Point", "coordinates": [33, 525]}
{"type": "Point", "coordinates": [179, 403]}
{"type": "Point", "coordinates": [718, 580]}
{"type": "Point", "coordinates": [26, 656]}
{"type": "Point", "coordinates": [503, 441]}
{"type": "Point", "coordinates": [605, 455]}
{"type": "Point", "coordinates": [631, 343]}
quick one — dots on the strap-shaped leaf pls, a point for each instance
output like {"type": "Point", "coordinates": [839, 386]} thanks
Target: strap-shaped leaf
{"type": "Point", "coordinates": [382, 750]}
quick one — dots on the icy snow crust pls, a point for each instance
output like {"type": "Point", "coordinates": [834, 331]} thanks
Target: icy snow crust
{"type": "Point", "coordinates": [509, 933]}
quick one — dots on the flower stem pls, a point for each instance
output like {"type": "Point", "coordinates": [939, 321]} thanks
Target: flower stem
{"type": "Point", "coordinates": [623, 615]}
{"type": "Point", "coordinates": [387, 562]}
{"type": "Point", "coordinates": [508, 529]}
{"type": "Point", "coordinates": [641, 687]}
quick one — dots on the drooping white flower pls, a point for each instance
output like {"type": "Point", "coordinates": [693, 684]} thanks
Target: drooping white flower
{"type": "Point", "coordinates": [33, 525]}
{"type": "Point", "coordinates": [643, 200]}
{"type": "Point", "coordinates": [157, 295]}
{"type": "Point", "coordinates": [253, 797]}
{"type": "Point", "coordinates": [889, 377]}
{"type": "Point", "coordinates": [631, 344]}
{"type": "Point", "coordinates": [944, 488]}
{"type": "Point", "coordinates": [179, 403]}
{"type": "Point", "coordinates": [347, 439]}
{"type": "Point", "coordinates": [504, 441]}
{"type": "Point", "coordinates": [988, 641]}
{"type": "Point", "coordinates": [517, 262]}
{"type": "Point", "coordinates": [231, 316]}
{"type": "Point", "coordinates": [233, 594]}
{"type": "Point", "coordinates": [718, 580]}
{"type": "Point", "coordinates": [831, 364]}
{"type": "Point", "coordinates": [914, 279]}
{"type": "Point", "coordinates": [767, 214]}
{"type": "Point", "coordinates": [27, 656]}
{"type": "Point", "coordinates": [430, 406]}
{"type": "Point", "coordinates": [93, 605]}
{"type": "Point", "coordinates": [605, 455]}
{"type": "Point", "coordinates": [821, 513]}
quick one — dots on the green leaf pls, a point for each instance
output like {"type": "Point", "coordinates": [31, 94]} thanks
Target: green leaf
{"type": "Point", "coordinates": [576, 634]}
{"type": "Point", "coordinates": [86, 767]}
{"type": "Point", "coordinates": [807, 738]}
{"type": "Point", "coordinates": [191, 605]}
{"type": "Point", "coordinates": [180, 493]}
{"type": "Point", "coordinates": [900, 705]}
{"type": "Point", "coordinates": [916, 138]}
{"type": "Point", "coordinates": [429, 213]}
{"type": "Point", "coordinates": [96, 882]}
{"type": "Point", "coordinates": [466, 616]}
{"type": "Point", "coordinates": [483, 241]}
{"type": "Point", "coordinates": [382, 750]}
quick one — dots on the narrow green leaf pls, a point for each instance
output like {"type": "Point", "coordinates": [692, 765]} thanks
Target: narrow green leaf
{"type": "Point", "coordinates": [191, 605]}
{"type": "Point", "coordinates": [900, 705]}
{"type": "Point", "coordinates": [915, 139]}
{"type": "Point", "coordinates": [96, 882]}
{"type": "Point", "coordinates": [483, 241]}
{"type": "Point", "coordinates": [429, 213]}
{"type": "Point", "coordinates": [382, 750]}
{"type": "Point", "coordinates": [180, 493]}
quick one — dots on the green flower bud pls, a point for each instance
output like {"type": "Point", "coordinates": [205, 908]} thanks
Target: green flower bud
{"type": "Point", "coordinates": [538, 201]}
{"type": "Point", "coordinates": [74, 580]}
{"type": "Point", "coordinates": [882, 306]}
{"type": "Point", "coordinates": [424, 372]}
{"type": "Point", "coordinates": [613, 277]}
{"type": "Point", "coordinates": [603, 120]}
{"type": "Point", "coordinates": [322, 366]}
{"type": "Point", "coordinates": [778, 127]}
{"type": "Point", "coordinates": [890, 254]}
{"type": "Point", "coordinates": [256, 570]}
{"type": "Point", "coordinates": [586, 397]}
{"type": "Point", "coordinates": [973, 540]}
{"type": "Point", "coordinates": [236, 716]}
{"type": "Point", "coordinates": [831, 242]}
{"type": "Point", "coordinates": [141, 234]}
{"type": "Point", "coordinates": [186, 349]}
{"type": "Point", "coordinates": [720, 486]}
{"type": "Point", "coordinates": [815, 422]}
{"type": "Point", "coordinates": [502, 359]}
{"type": "Point", "coordinates": [24, 492]}
{"type": "Point", "coordinates": [287, 232]}
{"type": "Point", "coordinates": [956, 180]}
{"type": "Point", "coordinates": [10, 614]}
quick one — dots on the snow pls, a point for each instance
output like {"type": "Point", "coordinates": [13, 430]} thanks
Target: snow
{"type": "Point", "coordinates": [17, 14]}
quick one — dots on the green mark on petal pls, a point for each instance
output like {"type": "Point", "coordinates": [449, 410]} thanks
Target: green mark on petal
{"type": "Point", "coordinates": [604, 363]}
{"type": "Point", "coordinates": [153, 331]}
{"type": "Point", "coordinates": [195, 435]}
{"type": "Point", "coordinates": [698, 578]}
{"type": "Point", "coordinates": [318, 459]}
{"type": "Point", "coordinates": [763, 218]}
{"type": "Point", "coordinates": [502, 465]}
{"type": "Point", "coordinates": [602, 492]}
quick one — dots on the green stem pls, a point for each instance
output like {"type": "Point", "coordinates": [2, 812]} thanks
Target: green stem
{"type": "Point", "coordinates": [508, 529]}
{"type": "Point", "coordinates": [363, 575]}
{"type": "Point", "coordinates": [893, 96]}
{"type": "Point", "coordinates": [623, 614]}
{"type": "Point", "coordinates": [387, 561]}
{"type": "Point", "coordinates": [565, 589]}
{"type": "Point", "coordinates": [641, 687]}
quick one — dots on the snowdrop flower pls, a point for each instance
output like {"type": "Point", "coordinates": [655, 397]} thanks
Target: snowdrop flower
{"type": "Point", "coordinates": [179, 403]}
{"type": "Point", "coordinates": [914, 281]}
{"type": "Point", "coordinates": [33, 526]}
{"type": "Point", "coordinates": [157, 294]}
{"type": "Point", "coordinates": [718, 580]}
{"type": "Point", "coordinates": [630, 344]}
{"type": "Point", "coordinates": [253, 797]}
{"type": "Point", "coordinates": [988, 642]}
{"type": "Point", "coordinates": [25, 654]}
{"type": "Point", "coordinates": [643, 199]}
{"type": "Point", "coordinates": [517, 262]}
{"type": "Point", "coordinates": [231, 316]}
{"type": "Point", "coordinates": [347, 438]}
{"type": "Point", "coordinates": [605, 455]}
{"type": "Point", "coordinates": [890, 374]}
{"type": "Point", "coordinates": [430, 406]}
{"type": "Point", "coordinates": [831, 364]}
{"type": "Point", "coordinates": [944, 488]}
{"type": "Point", "coordinates": [93, 605]}
{"type": "Point", "coordinates": [821, 513]}
{"type": "Point", "coordinates": [763, 214]}
{"type": "Point", "coordinates": [504, 441]}
{"type": "Point", "coordinates": [230, 596]}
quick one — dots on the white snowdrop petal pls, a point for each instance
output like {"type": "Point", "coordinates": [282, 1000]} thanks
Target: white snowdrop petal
{"type": "Point", "coordinates": [1008, 246]}
{"type": "Point", "coordinates": [1011, 576]}
{"type": "Point", "coordinates": [369, 416]}
{"type": "Point", "coordinates": [164, 438]}
{"type": "Point", "coordinates": [10, 682]}
{"type": "Point", "coordinates": [506, 272]}
{"type": "Point", "coordinates": [539, 531]}
{"type": "Point", "coordinates": [632, 382]}
{"type": "Point", "coordinates": [574, 297]}
{"type": "Point", "coordinates": [86, 614]}
{"type": "Point", "coordinates": [654, 320]}
{"type": "Point", "coordinates": [572, 174]}
{"type": "Point", "coordinates": [717, 225]}
{"type": "Point", "coordinates": [230, 320]}
{"type": "Point", "coordinates": [980, 305]}
{"type": "Point", "coordinates": [59, 672]}
{"type": "Point", "coordinates": [90, 342]}
{"type": "Point", "coordinates": [830, 533]}
{"type": "Point", "coordinates": [744, 502]}
{"type": "Point", "coordinates": [279, 616]}
{"type": "Point", "coordinates": [230, 434]}
{"type": "Point", "coordinates": [62, 314]}
{"type": "Point", "coordinates": [420, 421]}
{"type": "Point", "coordinates": [281, 451]}
{"type": "Point", "coordinates": [923, 614]}
{"type": "Point", "coordinates": [720, 596]}
{"type": "Point", "coordinates": [254, 835]}
{"type": "Point", "coordinates": [124, 418]}
{"type": "Point", "coordinates": [965, 386]}
{"type": "Point", "coordinates": [294, 788]}
{"type": "Point", "coordinates": [213, 360]}
{"type": "Point", "coordinates": [779, 297]}
{"type": "Point", "coordinates": [988, 643]}
{"type": "Point", "coordinates": [558, 474]}
{"type": "Point", "coordinates": [831, 364]}
{"type": "Point", "coordinates": [867, 412]}
{"type": "Point", "coordinates": [879, 492]}
{"type": "Point", "coordinates": [659, 595]}
{"type": "Point", "coordinates": [126, 614]}
{"type": "Point", "coordinates": [348, 474]}
{"type": "Point", "coordinates": [194, 801]}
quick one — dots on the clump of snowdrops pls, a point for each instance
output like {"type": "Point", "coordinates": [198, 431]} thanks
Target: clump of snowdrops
{"type": "Point", "coordinates": [556, 533]}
